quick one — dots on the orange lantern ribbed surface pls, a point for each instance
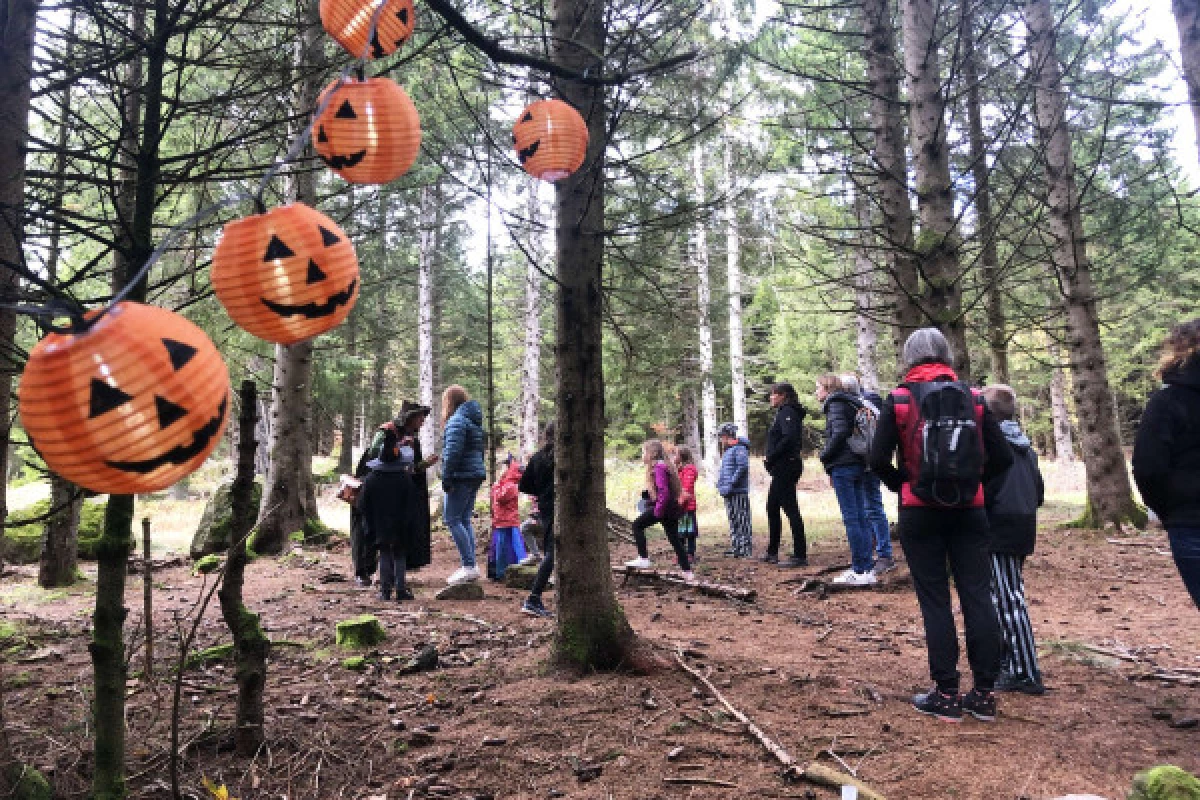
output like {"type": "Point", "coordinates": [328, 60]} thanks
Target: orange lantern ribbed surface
{"type": "Point", "coordinates": [285, 275]}
{"type": "Point", "coordinates": [131, 405]}
{"type": "Point", "coordinates": [551, 139]}
{"type": "Point", "coordinates": [349, 23]}
{"type": "Point", "coordinates": [369, 131]}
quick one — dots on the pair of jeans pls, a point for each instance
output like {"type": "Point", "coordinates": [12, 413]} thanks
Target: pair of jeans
{"type": "Point", "coordinates": [877, 516]}
{"type": "Point", "coordinates": [1185, 548]}
{"type": "Point", "coordinates": [547, 567]}
{"type": "Point", "coordinates": [459, 506]}
{"type": "Point", "coordinates": [393, 564]}
{"type": "Point", "coordinates": [933, 538]}
{"type": "Point", "coordinates": [781, 495]}
{"type": "Point", "coordinates": [671, 526]}
{"type": "Point", "coordinates": [851, 495]}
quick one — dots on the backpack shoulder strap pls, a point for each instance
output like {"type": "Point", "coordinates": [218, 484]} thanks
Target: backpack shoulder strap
{"type": "Point", "coordinates": [902, 401]}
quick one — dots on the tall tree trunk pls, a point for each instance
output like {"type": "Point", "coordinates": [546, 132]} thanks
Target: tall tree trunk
{"type": "Point", "coordinates": [378, 412]}
{"type": "Point", "coordinates": [937, 245]}
{"type": "Point", "coordinates": [891, 166]}
{"type": "Point", "coordinates": [691, 419]}
{"type": "Point", "coordinates": [864, 294]}
{"type": "Point", "coordinates": [592, 629]}
{"type": "Point", "coordinates": [426, 322]}
{"type": "Point", "coordinates": [737, 360]}
{"type": "Point", "coordinates": [531, 360]}
{"type": "Point", "coordinates": [1110, 500]}
{"type": "Point", "coordinates": [250, 644]}
{"type": "Point", "coordinates": [350, 395]}
{"type": "Point", "coordinates": [699, 257]}
{"type": "Point", "coordinates": [985, 227]}
{"type": "Point", "coordinates": [1064, 448]}
{"type": "Point", "coordinates": [60, 544]}
{"type": "Point", "coordinates": [289, 494]}
{"type": "Point", "coordinates": [1187, 18]}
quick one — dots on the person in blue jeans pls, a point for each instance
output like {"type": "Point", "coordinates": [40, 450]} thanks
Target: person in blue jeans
{"type": "Point", "coordinates": [847, 471]}
{"type": "Point", "coordinates": [462, 474]}
{"type": "Point", "coordinates": [1166, 453]}
{"type": "Point", "coordinates": [877, 519]}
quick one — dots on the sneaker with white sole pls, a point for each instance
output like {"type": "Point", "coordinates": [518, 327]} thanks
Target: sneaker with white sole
{"type": "Point", "coordinates": [640, 563]}
{"type": "Point", "coordinates": [529, 560]}
{"type": "Point", "coordinates": [463, 575]}
{"type": "Point", "coordinates": [852, 578]}
{"type": "Point", "coordinates": [456, 576]}
{"type": "Point", "coordinates": [470, 574]}
{"type": "Point", "coordinates": [689, 576]}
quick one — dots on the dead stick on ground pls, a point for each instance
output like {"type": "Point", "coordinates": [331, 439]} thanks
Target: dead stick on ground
{"type": "Point", "coordinates": [827, 776]}
{"type": "Point", "coordinates": [685, 780]}
{"type": "Point", "coordinates": [703, 587]}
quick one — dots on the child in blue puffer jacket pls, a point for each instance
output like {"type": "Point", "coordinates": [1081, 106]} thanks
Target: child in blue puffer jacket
{"type": "Point", "coordinates": [733, 483]}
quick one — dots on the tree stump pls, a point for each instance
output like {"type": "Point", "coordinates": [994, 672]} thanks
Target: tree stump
{"type": "Point", "coordinates": [359, 633]}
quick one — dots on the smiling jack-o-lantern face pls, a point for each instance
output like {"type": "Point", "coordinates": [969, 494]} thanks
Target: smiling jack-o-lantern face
{"type": "Point", "coordinates": [349, 23]}
{"type": "Point", "coordinates": [368, 131]}
{"type": "Point", "coordinates": [286, 275]}
{"type": "Point", "coordinates": [551, 140]}
{"type": "Point", "coordinates": [131, 405]}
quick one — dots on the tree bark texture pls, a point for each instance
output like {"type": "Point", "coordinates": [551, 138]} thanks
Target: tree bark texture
{"type": "Point", "coordinates": [1064, 448]}
{"type": "Point", "coordinates": [891, 166]}
{"type": "Point", "coordinates": [1187, 19]}
{"type": "Point", "coordinates": [867, 337]}
{"type": "Point", "coordinates": [1110, 499]}
{"type": "Point", "coordinates": [985, 227]}
{"type": "Point", "coordinates": [60, 544]}
{"type": "Point", "coordinates": [937, 245]}
{"type": "Point", "coordinates": [350, 395]}
{"type": "Point", "coordinates": [691, 419]}
{"type": "Point", "coordinates": [737, 359]}
{"type": "Point", "coordinates": [250, 644]}
{"type": "Point", "coordinates": [592, 630]}
{"type": "Point", "coordinates": [699, 257]}
{"type": "Point", "coordinates": [531, 360]}
{"type": "Point", "coordinates": [426, 258]}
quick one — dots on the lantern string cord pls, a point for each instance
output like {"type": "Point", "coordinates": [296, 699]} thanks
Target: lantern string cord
{"type": "Point", "coordinates": [79, 324]}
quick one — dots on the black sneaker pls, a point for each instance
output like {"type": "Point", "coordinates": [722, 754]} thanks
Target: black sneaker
{"type": "Point", "coordinates": [1008, 682]}
{"type": "Point", "coordinates": [770, 558]}
{"type": "Point", "coordinates": [385, 593]}
{"type": "Point", "coordinates": [946, 707]}
{"type": "Point", "coordinates": [362, 582]}
{"type": "Point", "coordinates": [980, 705]}
{"type": "Point", "coordinates": [793, 561]}
{"type": "Point", "coordinates": [404, 594]}
{"type": "Point", "coordinates": [534, 608]}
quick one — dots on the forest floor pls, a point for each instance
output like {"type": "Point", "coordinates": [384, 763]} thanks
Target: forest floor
{"type": "Point", "coordinates": [496, 719]}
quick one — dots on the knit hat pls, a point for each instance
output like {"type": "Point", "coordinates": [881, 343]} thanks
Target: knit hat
{"type": "Point", "coordinates": [409, 410]}
{"type": "Point", "coordinates": [728, 429]}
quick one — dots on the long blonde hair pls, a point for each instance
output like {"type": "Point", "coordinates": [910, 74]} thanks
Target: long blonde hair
{"type": "Point", "coordinates": [452, 398]}
{"type": "Point", "coordinates": [653, 451]}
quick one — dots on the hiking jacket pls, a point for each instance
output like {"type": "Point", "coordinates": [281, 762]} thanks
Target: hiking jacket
{"type": "Point", "coordinates": [538, 480]}
{"type": "Point", "coordinates": [462, 446]}
{"type": "Point", "coordinates": [840, 409]}
{"type": "Point", "coordinates": [887, 443]}
{"type": "Point", "coordinates": [666, 505]}
{"type": "Point", "coordinates": [687, 479]}
{"type": "Point", "coordinates": [734, 477]}
{"type": "Point", "coordinates": [785, 440]}
{"type": "Point", "coordinates": [505, 497]}
{"type": "Point", "coordinates": [1166, 453]}
{"type": "Point", "coordinates": [1012, 497]}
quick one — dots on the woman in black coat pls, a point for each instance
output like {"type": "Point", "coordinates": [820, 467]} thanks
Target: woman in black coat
{"type": "Point", "coordinates": [1166, 455]}
{"type": "Point", "coordinates": [784, 461]}
{"type": "Point", "coordinates": [387, 503]}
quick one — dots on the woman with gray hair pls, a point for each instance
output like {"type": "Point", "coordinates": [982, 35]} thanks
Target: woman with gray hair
{"type": "Point", "coordinates": [948, 443]}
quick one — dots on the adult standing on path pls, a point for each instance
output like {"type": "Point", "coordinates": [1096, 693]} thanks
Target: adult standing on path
{"type": "Point", "coordinates": [387, 503]}
{"type": "Point", "coordinates": [462, 474]}
{"type": "Point", "coordinates": [785, 463]}
{"type": "Point", "coordinates": [1166, 454]}
{"type": "Point", "coordinates": [876, 514]}
{"type": "Point", "coordinates": [846, 470]}
{"type": "Point", "coordinates": [538, 480]}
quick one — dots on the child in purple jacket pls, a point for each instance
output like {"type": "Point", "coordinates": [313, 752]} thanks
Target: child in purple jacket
{"type": "Point", "coordinates": [663, 487]}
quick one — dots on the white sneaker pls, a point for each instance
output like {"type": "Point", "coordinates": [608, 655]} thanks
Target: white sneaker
{"type": "Point", "coordinates": [470, 574]}
{"type": "Point", "coordinates": [458, 576]}
{"type": "Point", "coordinates": [852, 578]}
{"type": "Point", "coordinates": [689, 576]}
{"type": "Point", "coordinates": [529, 560]}
{"type": "Point", "coordinates": [640, 563]}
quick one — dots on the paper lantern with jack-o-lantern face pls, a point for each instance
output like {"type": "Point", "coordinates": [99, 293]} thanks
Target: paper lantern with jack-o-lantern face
{"type": "Point", "coordinates": [349, 23]}
{"type": "Point", "coordinates": [551, 140]}
{"type": "Point", "coordinates": [285, 275]}
{"type": "Point", "coordinates": [131, 404]}
{"type": "Point", "coordinates": [368, 131]}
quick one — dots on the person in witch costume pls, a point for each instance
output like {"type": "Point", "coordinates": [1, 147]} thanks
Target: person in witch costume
{"type": "Point", "coordinates": [409, 420]}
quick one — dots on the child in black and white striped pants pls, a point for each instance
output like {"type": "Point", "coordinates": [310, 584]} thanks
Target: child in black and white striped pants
{"type": "Point", "coordinates": [1012, 499]}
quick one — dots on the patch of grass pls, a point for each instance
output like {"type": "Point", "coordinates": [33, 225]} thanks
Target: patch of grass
{"type": "Point", "coordinates": [30, 594]}
{"type": "Point", "coordinates": [1078, 652]}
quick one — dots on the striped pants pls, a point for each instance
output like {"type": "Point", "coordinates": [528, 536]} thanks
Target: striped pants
{"type": "Point", "coordinates": [737, 508]}
{"type": "Point", "coordinates": [1008, 595]}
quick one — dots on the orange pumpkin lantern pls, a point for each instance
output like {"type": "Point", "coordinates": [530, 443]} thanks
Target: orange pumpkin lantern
{"type": "Point", "coordinates": [368, 131]}
{"type": "Point", "coordinates": [130, 405]}
{"type": "Point", "coordinates": [551, 140]}
{"type": "Point", "coordinates": [349, 22]}
{"type": "Point", "coordinates": [285, 275]}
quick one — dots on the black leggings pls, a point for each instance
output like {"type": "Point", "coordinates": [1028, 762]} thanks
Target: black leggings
{"type": "Point", "coordinates": [671, 526]}
{"type": "Point", "coordinates": [782, 496]}
{"type": "Point", "coordinates": [546, 570]}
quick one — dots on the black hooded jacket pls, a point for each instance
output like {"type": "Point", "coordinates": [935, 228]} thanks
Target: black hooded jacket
{"type": "Point", "coordinates": [840, 410]}
{"type": "Point", "coordinates": [1166, 454]}
{"type": "Point", "coordinates": [1012, 497]}
{"type": "Point", "coordinates": [538, 480]}
{"type": "Point", "coordinates": [785, 440]}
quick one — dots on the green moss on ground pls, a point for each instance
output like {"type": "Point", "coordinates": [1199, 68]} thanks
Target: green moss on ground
{"type": "Point", "coordinates": [22, 544]}
{"type": "Point", "coordinates": [1165, 782]}
{"type": "Point", "coordinates": [355, 663]}
{"type": "Point", "coordinates": [359, 633]}
{"type": "Point", "coordinates": [29, 784]}
{"type": "Point", "coordinates": [221, 652]}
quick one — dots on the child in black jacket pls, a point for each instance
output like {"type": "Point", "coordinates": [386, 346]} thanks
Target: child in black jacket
{"type": "Point", "coordinates": [1012, 499]}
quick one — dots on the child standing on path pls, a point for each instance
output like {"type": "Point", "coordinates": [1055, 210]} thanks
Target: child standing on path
{"type": "Point", "coordinates": [663, 487]}
{"type": "Point", "coordinates": [733, 483]}
{"type": "Point", "coordinates": [685, 462]}
{"type": "Point", "coordinates": [1012, 499]}
{"type": "Point", "coordinates": [507, 545]}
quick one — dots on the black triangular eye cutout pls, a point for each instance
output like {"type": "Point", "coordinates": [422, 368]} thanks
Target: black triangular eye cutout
{"type": "Point", "coordinates": [346, 111]}
{"type": "Point", "coordinates": [105, 398]}
{"type": "Point", "coordinates": [315, 275]}
{"type": "Point", "coordinates": [179, 352]}
{"type": "Point", "coordinates": [277, 249]}
{"type": "Point", "coordinates": [527, 118]}
{"type": "Point", "coordinates": [402, 15]}
{"type": "Point", "coordinates": [321, 137]}
{"type": "Point", "coordinates": [328, 237]}
{"type": "Point", "coordinates": [168, 412]}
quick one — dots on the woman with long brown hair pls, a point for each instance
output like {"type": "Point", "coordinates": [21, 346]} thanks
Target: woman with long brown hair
{"type": "Point", "coordinates": [462, 473]}
{"type": "Point", "coordinates": [1166, 455]}
{"type": "Point", "coordinates": [662, 489]}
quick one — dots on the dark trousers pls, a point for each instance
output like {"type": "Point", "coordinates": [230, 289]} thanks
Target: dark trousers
{"type": "Point", "coordinates": [671, 526]}
{"type": "Point", "coordinates": [393, 564]}
{"type": "Point", "coordinates": [1185, 548]}
{"type": "Point", "coordinates": [782, 496]}
{"type": "Point", "coordinates": [362, 547]}
{"type": "Point", "coordinates": [546, 570]}
{"type": "Point", "coordinates": [932, 538]}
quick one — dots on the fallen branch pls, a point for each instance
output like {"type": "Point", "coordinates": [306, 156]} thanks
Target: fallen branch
{"type": "Point", "coordinates": [827, 776]}
{"type": "Point", "coordinates": [619, 527]}
{"type": "Point", "coordinates": [684, 780]}
{"type": "Point", "coordinates": [1136, 542]}
{"type": "Point", "coordinates": [703, 587]}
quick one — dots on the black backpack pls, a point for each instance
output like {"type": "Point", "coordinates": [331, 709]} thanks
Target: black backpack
{"type": "Point", "coordinates": [946, 439]}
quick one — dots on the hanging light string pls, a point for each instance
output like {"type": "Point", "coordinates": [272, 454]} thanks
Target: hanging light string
{"type": "Point", "coordinates": [64, 305]}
